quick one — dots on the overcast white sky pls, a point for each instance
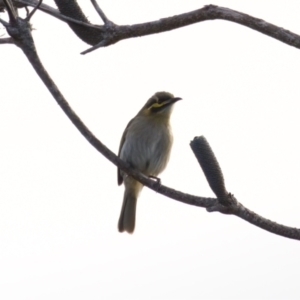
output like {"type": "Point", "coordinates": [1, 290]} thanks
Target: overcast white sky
{"type": "Point", "coordinates": [59, 199]}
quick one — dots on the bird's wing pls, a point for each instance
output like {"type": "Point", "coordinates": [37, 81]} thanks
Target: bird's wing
{"type": "Point", "coordinates": [120, 178]}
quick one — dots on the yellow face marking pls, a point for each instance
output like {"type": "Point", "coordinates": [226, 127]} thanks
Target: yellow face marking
{"type": "Point", "coordinates": [157, 105]}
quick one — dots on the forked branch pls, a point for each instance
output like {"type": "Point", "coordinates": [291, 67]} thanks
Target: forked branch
{"type": "Point", "coordinates": [110, 33]}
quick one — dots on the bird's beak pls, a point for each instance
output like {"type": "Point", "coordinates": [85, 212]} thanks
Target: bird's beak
{"type": "Point", "coordinates": [175, 99]}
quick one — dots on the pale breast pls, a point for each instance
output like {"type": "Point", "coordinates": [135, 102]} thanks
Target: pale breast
{"type": "Point", "coordinates": [147, 150]}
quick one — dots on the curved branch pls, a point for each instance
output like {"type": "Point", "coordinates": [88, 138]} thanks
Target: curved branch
{"type": "Point", "coordinates": [30, 15]}
{"type": "Point", "coordinates": [108, 34]}
{"type": "Point", "coordinates": [6, 41]}
{"type": "Point", "coordinates": [72, 9]}
{"type": "Point", "coordinates": [209, 12]}
{"type": "Point", "coordinates": [51, 11]}
{"type": "Point", "coordinates": [19, 30]}
{"type": "Point", "coordinates": [100, 36]}
{"type": "Point", "coordinates": [253, 218]}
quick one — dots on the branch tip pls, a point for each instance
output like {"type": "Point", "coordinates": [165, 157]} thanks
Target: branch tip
{"type": "Point", "coordinates": [30, 15]}
{"type": "Point", "coordinates": [99, 45]}
{"type": "Point", "coordinates": [100, 12]}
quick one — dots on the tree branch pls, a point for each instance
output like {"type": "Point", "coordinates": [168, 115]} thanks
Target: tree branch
{"type": "Point", "coordinates": [6, 41]}
{"type": "Point", "coordinates": [30, 15]}
{"type": "Point", "coordinates": [100, 12]}
{"type": "Point", "coordinates": [51, 11]}
{"type": "Point", "coordinates": [109, 33]}
{"type": "Point", "coordinates": [209, 12]}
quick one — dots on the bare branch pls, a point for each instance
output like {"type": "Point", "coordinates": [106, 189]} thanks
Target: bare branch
{"type": "Point", "coordinates": [34, 10]}
{"type": "Point", "coordinates": [253, 218]}
{"type": "Point", "coordinates": [210, 12]}
{"type": "Point", "coordinates": [4, 23]}
{"type": "Point", "coordinates": [73, 10]}
{"type": "Point", "coordinates": [100, 36]}
{"type": "Point", "coordinates": [100, 12]}
{"type": "Point", "coordinates": [6, 41]}
{"type": "Point", "coordinates": [15, 3]}
{"type": "Point", "coordinates": [53, 12]}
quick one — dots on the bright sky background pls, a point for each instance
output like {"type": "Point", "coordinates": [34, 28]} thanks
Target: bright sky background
{"type": "Point", "coordinates": [59, 198]}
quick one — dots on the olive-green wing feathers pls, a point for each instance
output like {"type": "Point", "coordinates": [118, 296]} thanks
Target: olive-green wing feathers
{"type": "Point", "coordinates": [120, 178]}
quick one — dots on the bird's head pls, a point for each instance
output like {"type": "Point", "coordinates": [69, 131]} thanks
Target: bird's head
{"type": "Point", "coordinates": [159, 105]}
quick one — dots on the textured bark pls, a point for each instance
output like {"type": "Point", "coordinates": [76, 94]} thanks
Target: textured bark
{"type": "Point", "coordinates": [70, 8]}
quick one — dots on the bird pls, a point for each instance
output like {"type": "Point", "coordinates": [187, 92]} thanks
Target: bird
{"type": "Point", "coordinates": [145, 145]}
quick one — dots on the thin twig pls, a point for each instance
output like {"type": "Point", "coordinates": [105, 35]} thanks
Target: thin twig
{"type": "Point", "coordinates": [4, 23]}
{"type": "Point", "coordinates": [55, 13]}
{"type": "Point", "coordinates": [34, 10]}
{"type": "Point", "coordinates": [6, 41]}
{"type": "Point", "coordinates": [100, 12]}
{"type": "Point", "coordinates": [99, 45]}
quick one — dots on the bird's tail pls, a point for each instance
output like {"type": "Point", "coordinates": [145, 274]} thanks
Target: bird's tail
{"type": "Point", "coordinates": [127, 216]}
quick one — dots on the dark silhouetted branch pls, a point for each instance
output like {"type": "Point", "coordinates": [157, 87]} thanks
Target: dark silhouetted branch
{"type": "Point", "coordinates": [51, 11]}
{"type": "Point", "coordinates": [100, 12]}
{"type": "Point", "coordinates": [30, 14]}
{"type": "Point", "coordinates": [109, 33]}
{"type": "Point", "coordinates": [6, 41]}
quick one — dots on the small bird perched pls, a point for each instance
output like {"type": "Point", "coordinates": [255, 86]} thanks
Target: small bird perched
{"type": "Point", "coordinates": [146, 144]}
